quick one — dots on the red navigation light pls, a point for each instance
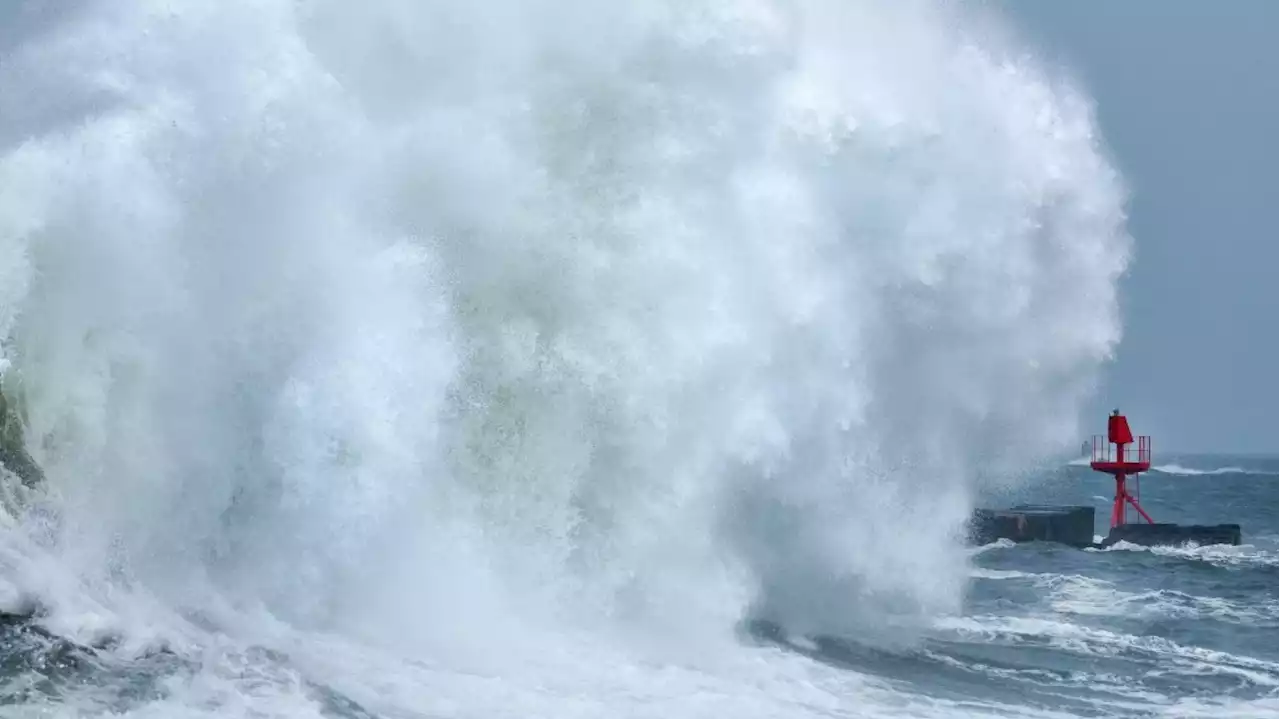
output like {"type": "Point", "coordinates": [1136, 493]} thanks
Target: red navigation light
{"type": "Point", "coordinates": [1116, 456]}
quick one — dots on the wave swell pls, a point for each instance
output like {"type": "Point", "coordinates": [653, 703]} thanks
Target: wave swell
{"type": "Point", "coordinates": [426, 322]}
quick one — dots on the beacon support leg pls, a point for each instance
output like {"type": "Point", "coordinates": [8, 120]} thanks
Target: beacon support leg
{"type": "Point", "coordinates": [1136, 506]}
{"type": "Point", "coordinates": [1117, 508]}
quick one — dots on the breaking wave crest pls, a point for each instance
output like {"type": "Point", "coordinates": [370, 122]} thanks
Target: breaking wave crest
{"type": "Point", "coordinates": [431, 323]}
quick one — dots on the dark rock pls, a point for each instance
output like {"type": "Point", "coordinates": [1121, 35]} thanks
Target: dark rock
{"type": "Point", "coordinates": [1068, 525]}
{"type": "Point", "coordinates": [1151, 535]}
{"type": "Point", "coordinates": [13, 450]}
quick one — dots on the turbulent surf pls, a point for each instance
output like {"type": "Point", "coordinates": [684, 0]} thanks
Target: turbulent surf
{"type": "Point", "coordinates": [501, 359]}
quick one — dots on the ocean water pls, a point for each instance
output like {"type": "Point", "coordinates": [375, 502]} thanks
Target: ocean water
{"type": "Point", "coordinates": [531, 359]}
{"type": "Point", "coordinates": [1045, 631]}
{"type": "Point", "coordinates": [1130, 630]}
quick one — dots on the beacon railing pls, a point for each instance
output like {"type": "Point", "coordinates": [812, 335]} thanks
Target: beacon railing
{"type": "Point", "coordinates": [1138, 452]}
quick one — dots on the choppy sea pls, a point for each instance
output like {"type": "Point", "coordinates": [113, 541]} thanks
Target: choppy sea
{"type": "Point", "coordinates": [1047, 631]}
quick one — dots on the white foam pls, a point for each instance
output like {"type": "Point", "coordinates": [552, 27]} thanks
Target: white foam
{"type": "Point", "coordinates": [1174, 658]}
{"type": "Point", "coordinates": [1094, 597]}
{"type": "Point", "coordinates": [1193, 472]}
{"type": "Point", "coordinates": [1091, 596]}
{"type": "Point", "coordinates": [1193, 708]}
{"type": "Point", "coordinates": [443, 327]}
{"type": "Point", "coordinates": [1222, 554]}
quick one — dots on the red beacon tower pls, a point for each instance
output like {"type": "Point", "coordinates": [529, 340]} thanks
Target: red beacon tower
{"type": "Point", "coordinates": [1122, 456]}
{"type": "Point", "coordinates": [1116, 455]}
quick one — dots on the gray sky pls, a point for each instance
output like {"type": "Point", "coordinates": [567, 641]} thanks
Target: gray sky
{"type": "Point", "coordinates": [1186, 96]}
